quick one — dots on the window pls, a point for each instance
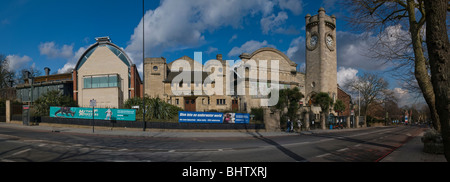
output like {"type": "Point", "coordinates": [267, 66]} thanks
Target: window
{"type": "Point", "coordinates": [155, 68]}
{"type": "Point", "coordinates": [103, 81]}
{"type": "Point", "coordinates": [177, 101]}
{"type": "Point", "coordinates": [221, 102]}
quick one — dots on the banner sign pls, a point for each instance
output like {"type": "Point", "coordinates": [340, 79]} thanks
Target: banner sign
{"type": "Point", "coordinates": [213, 117]}
{"type": "Point", "coordinates": [100, 113]}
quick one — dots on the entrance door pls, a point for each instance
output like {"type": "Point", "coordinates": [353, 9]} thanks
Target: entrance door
{"type": "Point", "coordinates": [234, 105]}
{"type": "Point", "coordinates": [189, 104]}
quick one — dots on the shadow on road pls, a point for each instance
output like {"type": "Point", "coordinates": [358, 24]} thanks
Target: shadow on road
{"type": "Point", "coordinates": [279, 147]}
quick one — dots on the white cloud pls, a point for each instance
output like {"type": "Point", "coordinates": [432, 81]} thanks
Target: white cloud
{"type": "Point", "coordinates": [211, 50]}
{"type": "Point", "coordinates": [346, 74]}
{"type": "Point", "coordinates": [403, 97]}
{"type": "Point", "coordinates": [51, 50]}
{"type": "Point", "coordinates": [296, 50]}
{"type": "Point", "coordinates": [234, 37]}
{"type": "Point", "coordinates": [16, 62]}
{"type": "Point", "coordinates": [248, 47]}
{"type": "Point", "coordinates": [295, 6]}
{"type": "Point", "coordinates": [272, 22]}
{"type": "Point", "coordinates": [72, 61]}
{"type": "Point", "coordinates": [177, 25]}
{"type": "Point", "coordinates": [353, 50]}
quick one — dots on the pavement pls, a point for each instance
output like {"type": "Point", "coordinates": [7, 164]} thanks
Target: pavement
{"type": "Point", "coordinates": [411, 151]}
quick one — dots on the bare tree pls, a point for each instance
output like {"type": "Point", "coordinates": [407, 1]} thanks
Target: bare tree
{"type": "Point", "coordinates": [404, 50]}
{"type": "Point", "coordinates": [34, 72]}
{"type": "Point", "coordinates": [5, 75]}
{"type": "Point", "coordinates": [371, 87]}
{"type": "Point", "coordinates": [439, 51]}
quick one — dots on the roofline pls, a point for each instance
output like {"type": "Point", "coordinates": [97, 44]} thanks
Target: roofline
{"type": "Point", "coordinates": [244, 55]}
{"type": "Point", "coordinates": [96, 45]}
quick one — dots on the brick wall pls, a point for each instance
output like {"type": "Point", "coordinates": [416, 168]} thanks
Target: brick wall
{"type": "Point", "coordinates": [346, 98]}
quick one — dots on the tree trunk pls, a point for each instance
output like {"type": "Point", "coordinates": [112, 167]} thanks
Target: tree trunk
{"type": "Point", "coordinates": [322, 121]}
{"type": "Point", "coordinates": [438, 50]}
{"type": "Point", "coordinates": [420, 67]}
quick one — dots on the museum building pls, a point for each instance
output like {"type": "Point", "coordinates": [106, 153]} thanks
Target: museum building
{"type": "Point", "coordinates": [105, 73]}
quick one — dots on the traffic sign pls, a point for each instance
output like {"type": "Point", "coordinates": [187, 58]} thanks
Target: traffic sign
{"type": "Point", "coordinates": [93, 103]}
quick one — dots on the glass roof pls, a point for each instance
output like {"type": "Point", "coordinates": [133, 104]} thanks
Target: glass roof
{"type": "Point", "coordinates": [119, 53]}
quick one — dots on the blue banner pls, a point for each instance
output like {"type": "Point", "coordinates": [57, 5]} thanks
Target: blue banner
{"type": "Point", "coordinates": [100, 113]}
{"type": "Point", "coordinates": [199, 117]}
{"type": "Point", "coordinates": [213, 117]}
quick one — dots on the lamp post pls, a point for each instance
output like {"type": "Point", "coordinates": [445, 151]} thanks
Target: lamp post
{"type": "Point", "coordinates": [143, 66]}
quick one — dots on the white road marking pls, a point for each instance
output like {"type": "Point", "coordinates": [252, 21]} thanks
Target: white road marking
{"type": "Point", "coordinates": [20, 152]}
{"type": "Point", "coordinates": [323, 155]}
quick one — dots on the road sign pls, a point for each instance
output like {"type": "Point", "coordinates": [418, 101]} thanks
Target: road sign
{"type": "Point", "coordinates": [93, 103]}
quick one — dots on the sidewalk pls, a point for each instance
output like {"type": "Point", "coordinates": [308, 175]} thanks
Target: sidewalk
{"type": "Point", "coordinates": [412, 151]}
{"type": "Point", "coordinates": [162, 133]}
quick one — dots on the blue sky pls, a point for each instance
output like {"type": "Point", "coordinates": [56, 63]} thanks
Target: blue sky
{"type": "Point", "coordinates": [53, 33]}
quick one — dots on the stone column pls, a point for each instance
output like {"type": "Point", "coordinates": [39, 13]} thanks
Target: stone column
{"type": "Point", "coordinates": [347, 118]}
{"type": "Point", "coordinates": [8, 111]}
{"type": "Point", "coordinates": [357, 122]}
{"type": "Point", "coordinates": [307, 127]}
{"type": "Point", "coordinates": [272, 120]}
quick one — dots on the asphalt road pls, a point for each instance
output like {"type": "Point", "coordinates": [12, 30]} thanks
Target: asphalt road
{"type": "Point", "coordinates": [365, 145]}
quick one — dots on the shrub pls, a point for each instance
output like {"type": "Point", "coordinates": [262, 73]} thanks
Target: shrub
{"type": "Point", "coordinates": [52, 98]}
{"type": "Point", "coordinates": [157, 109]}
{"type": "Point", "coordinates": [432, 142]}
{"type": "Point", "coordinates": [258, 113]}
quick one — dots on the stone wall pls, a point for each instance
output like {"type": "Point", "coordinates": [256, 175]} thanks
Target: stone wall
{"type": "Point", "coordinates": [272, 120]}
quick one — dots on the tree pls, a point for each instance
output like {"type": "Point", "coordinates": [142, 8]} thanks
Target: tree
{"type": "Point", "coordinates": [34, 72]}
{"type": "Point", "coordinates": [339, 106]}
{"type": "Point", "coordinates": [5, 75]}
{"type": "Point", "coordinates": [369, 15]}
{"type": "Point", "coordinates": [438, 49]}
{"type": "Point", "coordinates": [325, 102]}
{"type": "Point", "coordinates": [371, 87]}
{"type": "Point", "coordinates": [288, 103]}
{"type": "Point", "coordinates": [52, 98]}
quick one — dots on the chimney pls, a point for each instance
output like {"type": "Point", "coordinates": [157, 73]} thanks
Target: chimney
{"type": "Point", "coordinates": [26, 74]}
{"type": "Point", "coordinates": [47, 71]}
{"type": "Point", "coordinates": [219, 57]}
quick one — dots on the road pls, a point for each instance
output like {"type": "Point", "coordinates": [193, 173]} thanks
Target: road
{"type": "Point", "coordinates": [363, 145]}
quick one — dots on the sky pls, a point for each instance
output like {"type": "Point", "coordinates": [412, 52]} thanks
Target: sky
{"type": "Point", "coordinates": [54, 33]}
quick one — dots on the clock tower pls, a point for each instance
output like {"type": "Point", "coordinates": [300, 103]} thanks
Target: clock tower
{"type": "Point", "coordinates": [321, 57]}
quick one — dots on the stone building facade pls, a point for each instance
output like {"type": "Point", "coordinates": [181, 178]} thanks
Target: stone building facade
{"type": "Point", "coordinates": [161, 81]}
{"type": "Point", "coordinates": [162, 78]}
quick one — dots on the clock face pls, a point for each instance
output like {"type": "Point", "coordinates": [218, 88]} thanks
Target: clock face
{"type": "Point", "coordinates": [313, 41]}
{"type": "Point", "coordinates": [329, 40]}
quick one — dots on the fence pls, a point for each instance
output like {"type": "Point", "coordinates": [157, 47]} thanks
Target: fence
{"type": "Point", "coordinates": [2, 114]}
{"type": "Point", "coordinates": [138, 124]}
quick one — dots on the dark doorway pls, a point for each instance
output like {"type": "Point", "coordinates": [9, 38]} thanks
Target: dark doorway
{"type": "Point", "coordinates": [234, 105]}
{"type": "Point", "coordinates": [189, 104]}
